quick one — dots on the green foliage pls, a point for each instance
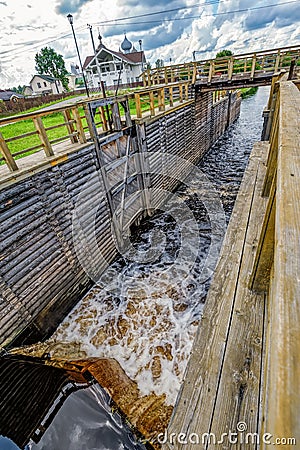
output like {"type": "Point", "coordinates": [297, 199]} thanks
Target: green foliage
{"type": "Point", "coordinates": [159, 63]}
{"type": "Point", "coordinates": [248, 92]}
{"type": "Point", "coordinates": [148, 66]}
{"type": "Point", "coordinates": [19, 89]}
{"type": "Point", "coordinates": [48, 62]}
{"type": "Point", "coordinates": [224, 53]}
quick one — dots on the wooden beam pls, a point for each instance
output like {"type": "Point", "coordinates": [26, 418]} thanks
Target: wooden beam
{"type": "Point", "coordinates": [70, 126]}
{"type": "Point", "coordinates": [137, 99]}
{"type": "Point", "coordinates": [43, 136]}
{"type": "Point", "coordinates": [78, 122]}
{"type": "Point", "coordinates": [8, 158]}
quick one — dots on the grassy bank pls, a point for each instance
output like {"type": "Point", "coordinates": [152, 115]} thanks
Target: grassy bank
{"type": "Point", "coordinates": [247, 92]}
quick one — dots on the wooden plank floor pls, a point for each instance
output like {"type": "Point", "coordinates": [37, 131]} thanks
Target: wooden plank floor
{"type": "Point", "coordinates": [224, 374]}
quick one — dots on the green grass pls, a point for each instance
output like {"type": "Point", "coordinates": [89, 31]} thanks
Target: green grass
{"type": "Point", "coordinates": [50, 120]}
{"type": "Point", "coordinates": [247, 92]}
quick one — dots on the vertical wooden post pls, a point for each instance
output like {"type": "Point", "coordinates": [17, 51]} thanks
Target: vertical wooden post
{"type": "Point", "coordinates": [152, 107]}
{"type": "Point", "coordinates": [171, 95]}
{"type": "Point", "coordinates": [79, 127]}
{"type": "Point", "coordinates": [253, 66]}
{"type": "Point", "coordinates": [43, 136]}
{"type": "Point", "coordinates": [149, 77]}
{"type": "Point", "coordinates": [70, 126]}
{"type": "Point", "coordinates": [116, 116]}
{"type": "Point", "coordinates": [103, 118]}
{"type": "Point", "coordinates": [245, 65]}
{"type": "Point", "coordinates": [172, 74]}
{"type": "Point", "coordinates": [180, 93]}
{"type": "Point", "coordinates": [11, 164]}
{"type": "Point", "coordinates": [211, 71]}
{"type": "Point", "coordinates": [144, 79]}
{"type": "Point", "coordinates": [166, 75]}
{"type": "Point", "coordinates": [230, 68]}
{"type": "Point", "coordinates": [277, 62]}
{"type": "Point", "coordinates": [161, 99]}
{"type": "Point", "coordinates": [137, 99]}
{"type": "Point", "coordinates": [194, 73]}
{"type": "Point", "coordinates": [186, 88]}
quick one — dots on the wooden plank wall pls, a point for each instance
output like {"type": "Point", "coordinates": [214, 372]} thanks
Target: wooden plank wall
{"type": "Point", "coordinates": [40, 275]}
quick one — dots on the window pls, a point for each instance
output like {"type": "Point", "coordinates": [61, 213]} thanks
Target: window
{"type": "Point", "coordinates": [45, 84]}
{"type": "Point", "coordinates": [39, 85]}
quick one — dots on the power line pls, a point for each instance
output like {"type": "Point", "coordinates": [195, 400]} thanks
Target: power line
{"type": "Point", "coordinates": [113, 22]}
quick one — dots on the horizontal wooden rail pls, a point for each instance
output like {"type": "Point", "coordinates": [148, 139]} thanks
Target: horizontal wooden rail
{"type": "Point", "coordinates": [266, 61]}
{"type": "Point", "coordinates": [277, 264]}
{"type": "Point", "coordinates": [110, 114]}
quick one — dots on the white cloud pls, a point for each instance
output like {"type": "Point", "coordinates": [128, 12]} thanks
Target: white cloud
{"type": "Point", "coordinates": [35, 23]}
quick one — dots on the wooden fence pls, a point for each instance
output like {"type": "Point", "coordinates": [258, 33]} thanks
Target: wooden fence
{"type": "Point", "coordinates": [250, 64]}
{"type": "Point", "coordinates": [73, 123]}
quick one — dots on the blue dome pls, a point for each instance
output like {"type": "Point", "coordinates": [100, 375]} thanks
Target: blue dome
{"type": "Point", "coordinates": [126, 45]}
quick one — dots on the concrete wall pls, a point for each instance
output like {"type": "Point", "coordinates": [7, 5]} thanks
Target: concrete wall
{"type": "Point", "coordinates": [40, 276]}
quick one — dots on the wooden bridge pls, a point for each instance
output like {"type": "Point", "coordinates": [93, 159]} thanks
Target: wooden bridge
{"type": "Point", "coordinates": [231, 72]}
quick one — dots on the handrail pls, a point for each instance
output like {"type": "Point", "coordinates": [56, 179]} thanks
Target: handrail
{"type": "Point", "coordinates": [252, 63]}
{"type": "Point", "coordinates": [74, 120]}
{"type": "Point", "coordinates": [277, 264]}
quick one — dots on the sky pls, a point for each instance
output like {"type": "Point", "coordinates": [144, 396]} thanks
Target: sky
{"type": "Point", "coordinates": [170, 30]}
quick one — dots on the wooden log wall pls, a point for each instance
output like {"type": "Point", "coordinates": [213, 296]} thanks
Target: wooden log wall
{"type": "Point", "coordinates": [41, 278]}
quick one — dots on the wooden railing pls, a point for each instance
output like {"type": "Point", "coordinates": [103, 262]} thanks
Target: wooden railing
{"type": "Point", "coordinates": [268, 61]}
{"type": "Point", "coordinates": [277, 264]}
{"type": "Point", "coordinates": [25, 134]}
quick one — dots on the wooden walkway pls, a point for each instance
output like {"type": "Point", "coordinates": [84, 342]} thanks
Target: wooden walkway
{"type": "Point", "coordinates": [231, 72]}
{"type": "Point", "coordinates": [243, 375]}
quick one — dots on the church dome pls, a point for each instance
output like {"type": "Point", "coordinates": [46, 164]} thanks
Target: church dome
{"type": "Point", "coordinates": [126, 45]}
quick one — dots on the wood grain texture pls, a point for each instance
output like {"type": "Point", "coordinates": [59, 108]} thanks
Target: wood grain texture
{"type": "Point", "coordinates": [230, 330]}
{"type": "Point", "coordinates": [282, 404]}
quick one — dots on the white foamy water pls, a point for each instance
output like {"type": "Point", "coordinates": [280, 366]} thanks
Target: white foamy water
{"type": "Point", "coordinates": [147, 315]}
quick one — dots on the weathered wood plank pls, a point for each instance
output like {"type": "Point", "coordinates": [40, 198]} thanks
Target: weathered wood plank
{"type": "Point", "coordinates": [282, 404]}
{"type": "Point", "coordinates": [194, 411]}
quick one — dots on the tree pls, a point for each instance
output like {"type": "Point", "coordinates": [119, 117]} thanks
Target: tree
{"type": "Point", "coordinates": [224, 53]}
{"type": "Point", "coordinates": [48, 62]}
{"type": "Point", "coordinates": [148, 66]}
{"type": "Point", "coordinates": [159, 63]}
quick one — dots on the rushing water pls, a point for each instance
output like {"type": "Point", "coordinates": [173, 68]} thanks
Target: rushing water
{"type": "Point", "coordinates": [148, 317]}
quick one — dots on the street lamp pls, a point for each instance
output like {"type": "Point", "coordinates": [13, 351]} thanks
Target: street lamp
{"type": "Point", "coordinates": [70, 19]}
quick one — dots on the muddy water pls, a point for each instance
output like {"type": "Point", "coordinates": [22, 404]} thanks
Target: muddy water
{"type": "Point", "coordinates": [146, 316]}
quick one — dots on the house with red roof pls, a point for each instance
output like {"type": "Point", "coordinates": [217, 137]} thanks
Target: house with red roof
{"type": "Point", "coordinates": [111, 67]}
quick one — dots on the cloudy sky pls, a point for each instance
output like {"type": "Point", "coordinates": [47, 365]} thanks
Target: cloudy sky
{"type": "Point", "coordinates": [170, 30]}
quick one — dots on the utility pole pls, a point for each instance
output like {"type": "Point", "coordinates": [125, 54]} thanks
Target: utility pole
{"type": "Point", "coordinates": [97, 62]}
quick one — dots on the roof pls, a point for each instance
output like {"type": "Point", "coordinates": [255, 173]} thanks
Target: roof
{"type": "Point", "coordinates": [45, 77]}
{"type": "Point", "coordinates": [131, 58]}
{"type": "Point", "coordinates": [7, 95]}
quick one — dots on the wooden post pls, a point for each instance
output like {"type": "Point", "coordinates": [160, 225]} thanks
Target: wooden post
{"type": "Point", "coordinates": [81, 133]}
{"type": "Point", "coordinates": [166, 75]}
{"type": "Point", "coordinates": [144, 79]}
{"type": "Point", "coordinates": [277, 62]}
{"type": "Point", "coordinates": [172, 75]}
{"type": "Point", "coordinates": [43, 136]}
{"type": "Point", "coordinates": [89, 120]}
{"type": "Point", "coordinates": [161, 99]}
{"type": "Point", "coordinates": [11, 164]}
{"type": "Point", "coordinates": [180, 93]}
{"type": "Point", "coordinates": [70, 126]}
{"type": "Point", "coordinates": [137, 99]}
{"type": "Point", "coordinates": [211, 70]}
{"type": "Point", "coordinates": [194, 73]}
{"type": "Point", "coordinates": [186, 88]}
{"type": "Point", "coordinates": [253, 66]}
{"type": "Point", "coordinates": [149, 77]}
{"type": "Point", "coordinates": [103, 118]}
{"type": "Point", "coordinates": [230, 68]}
{"type": "Point", "coordinates": [116, 116]}
{"type": "Point", "coordinates": [152, 107]}
{"type": "Point", "coordinates": [171, 95]}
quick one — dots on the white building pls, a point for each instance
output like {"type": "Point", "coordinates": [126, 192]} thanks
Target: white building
{"type": "Point", "coordinates": [44, 84]}
{"type": "Point", "coordinates": [108, 66]}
